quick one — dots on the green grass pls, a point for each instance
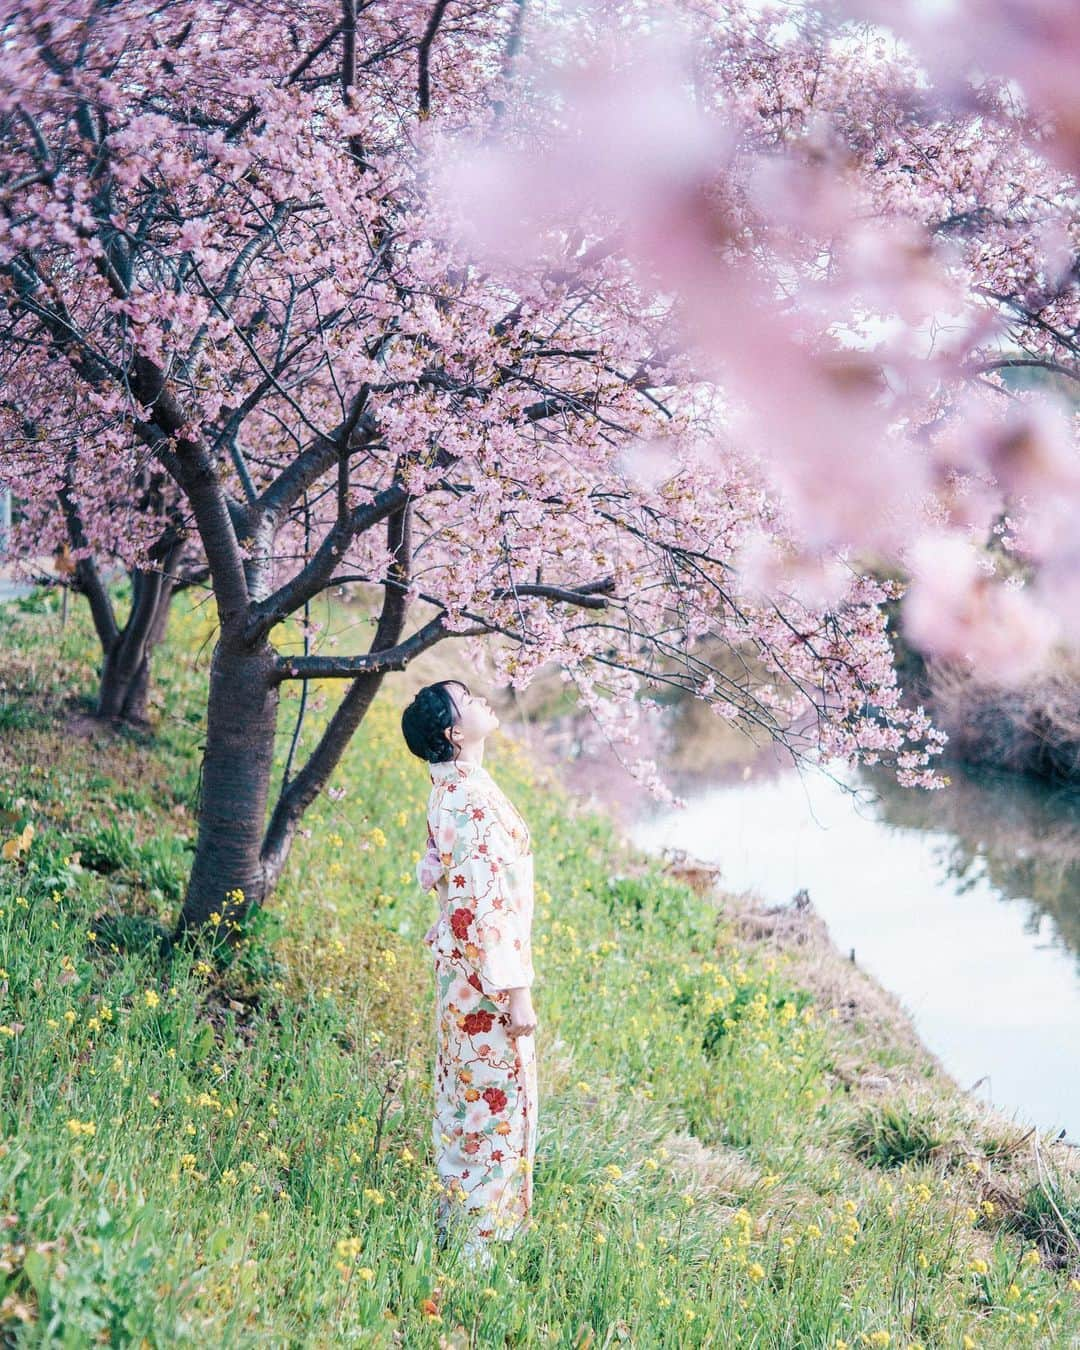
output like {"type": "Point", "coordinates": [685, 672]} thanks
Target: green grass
{"type": "Point", "coordinates": [242, 1157]}
{"type": "Point", "coordinates": [890, 1135]}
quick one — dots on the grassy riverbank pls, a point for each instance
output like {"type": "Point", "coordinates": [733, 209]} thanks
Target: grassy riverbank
{"type": "Point", "coordinates": [741, 1144]}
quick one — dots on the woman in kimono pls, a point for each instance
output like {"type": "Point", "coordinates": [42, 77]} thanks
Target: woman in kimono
{"type": "Point", "coordinates": [479, 862]}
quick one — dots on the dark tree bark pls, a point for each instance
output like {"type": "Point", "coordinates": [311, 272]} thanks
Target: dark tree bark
{"type": "Point", "coordinates": [227, 875]}
{"type": "Point", "coordinates": [124, 692]}
{"type": "Point", "coordinates": [127, 652]}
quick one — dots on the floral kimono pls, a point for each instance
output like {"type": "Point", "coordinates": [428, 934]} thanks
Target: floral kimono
{"type": "Point", "coordinates": [479, 862]}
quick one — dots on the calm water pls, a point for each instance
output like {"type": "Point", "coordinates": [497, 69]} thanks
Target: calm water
{"type": "Point", "coordinates": [964, 902]}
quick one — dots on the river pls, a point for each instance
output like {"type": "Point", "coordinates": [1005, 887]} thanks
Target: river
{"type": "Point", "coordinates": [964, 902]}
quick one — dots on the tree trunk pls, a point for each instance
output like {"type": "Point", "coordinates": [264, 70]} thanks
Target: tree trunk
{"type": "Point", "coordinates": [241, 723]}
{"type": "Point", "coordinates": [125, 676]}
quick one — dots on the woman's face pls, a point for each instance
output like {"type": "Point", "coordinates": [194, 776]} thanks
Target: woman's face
{"type": "Point", "coordinates": [475, 720]}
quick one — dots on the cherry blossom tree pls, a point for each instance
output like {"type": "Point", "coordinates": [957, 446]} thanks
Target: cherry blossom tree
{"type": "Point", "coordinates": [129, 521]}
{"type": "Point", "coordinates": [886, 252]}
{"type": "Point", "coordinates": [243, 261]}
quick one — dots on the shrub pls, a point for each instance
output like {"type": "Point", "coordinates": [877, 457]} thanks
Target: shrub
{"type": "Point", "coordinates": [891, 1134]}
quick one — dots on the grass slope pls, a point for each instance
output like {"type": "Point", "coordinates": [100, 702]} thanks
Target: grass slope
{"type": "Point", "coordinates": [242, 1157]}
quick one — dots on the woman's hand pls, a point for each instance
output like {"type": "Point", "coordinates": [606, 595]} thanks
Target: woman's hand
{"type": "Point", "coordinates": [522, 1017]}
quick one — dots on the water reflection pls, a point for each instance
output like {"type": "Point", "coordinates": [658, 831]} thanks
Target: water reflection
{"type": "Point", "coordinates": [1024, 840]}
{"type": "Point", "coordinates": [965, 902]}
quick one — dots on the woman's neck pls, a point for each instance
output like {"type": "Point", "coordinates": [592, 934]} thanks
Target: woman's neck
{"type": "Point", "coordinates": [472, 754]}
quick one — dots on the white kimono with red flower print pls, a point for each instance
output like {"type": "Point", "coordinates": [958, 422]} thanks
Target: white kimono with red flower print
{"type": "Point", "coordinates": [485, 1085]}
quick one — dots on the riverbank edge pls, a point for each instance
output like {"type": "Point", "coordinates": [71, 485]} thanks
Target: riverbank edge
{"type": "Point", "coordinates": [882, 1063]}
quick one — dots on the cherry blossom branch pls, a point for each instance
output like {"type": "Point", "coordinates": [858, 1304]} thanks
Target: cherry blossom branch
{"type": "Point", "coordinates": [1007, 363]}
{"type": "Point", "coordinates": [314, 577]}
{"type": "Point", "coordinates": [309, 466]}
{"type": "Point", "coordinates": [297, 795]}
{"type": "Point", "coordinates": [374, 662]}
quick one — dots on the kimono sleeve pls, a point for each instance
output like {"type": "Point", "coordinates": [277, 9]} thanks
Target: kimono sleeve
{"type": "Point", "coordinates": [430, 867]}
{"type": "Point", "coordinates": [489, 893]}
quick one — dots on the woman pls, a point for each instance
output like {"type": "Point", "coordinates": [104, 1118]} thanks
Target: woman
{"type": "Point", "coordinates": [479, 862]}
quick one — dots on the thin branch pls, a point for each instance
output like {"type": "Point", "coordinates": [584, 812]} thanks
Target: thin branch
{"type": "Point", "coordinates": [590, 596]}
{"type": "Point", "coordinates": [988, 367]}
{"type": "Point", "coordinates": [320, 570]}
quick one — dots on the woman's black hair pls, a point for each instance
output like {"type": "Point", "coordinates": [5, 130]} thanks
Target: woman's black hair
{"type": "Point", "coordinates": [425, 721]}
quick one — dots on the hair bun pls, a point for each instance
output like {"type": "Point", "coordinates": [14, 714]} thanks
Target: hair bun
{"type": "Point", "coordinates": [426, 720]}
